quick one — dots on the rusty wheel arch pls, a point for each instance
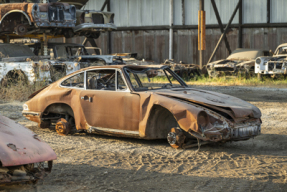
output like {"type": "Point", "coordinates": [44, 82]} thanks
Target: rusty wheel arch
{"type": "Point", "coordinates": [54, 112]}
{"type": "Point", "coordinates": [16, 11]}
{"type": "Point", "coordinates": [160, 122]}
{"type": "Point", "coordinates": [59, 108]}
{"type": "Point", "coordinates": [13, 76]}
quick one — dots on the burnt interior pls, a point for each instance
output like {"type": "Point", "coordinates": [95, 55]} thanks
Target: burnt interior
{"type": "Point", "coordinates": [57, 71]}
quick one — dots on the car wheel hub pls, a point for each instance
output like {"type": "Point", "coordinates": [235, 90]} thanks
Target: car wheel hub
{"type": "Point", "coordinates": [63, 127]}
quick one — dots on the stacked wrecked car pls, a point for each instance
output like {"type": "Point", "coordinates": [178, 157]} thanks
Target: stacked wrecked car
{"type": "Point", "coordinates": [43, 21]}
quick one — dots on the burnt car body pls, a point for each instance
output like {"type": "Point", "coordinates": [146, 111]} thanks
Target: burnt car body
{"type": "Point", "coordinates": [23, 18]}
{"type": "Point", "coordinates": [19, 63]}
{"type": "Point", "coordinates": [77, 52]}
{"type": "Point", "coordinates": [239, 61]}
{"type": "Point", "coordinates": [273, 65]}
{"type": "Point", "coordinates": [148, 102]}
{"type": "Point", "coordinates": [91, 22]}
{"type": "Point", "coordinates": [183, 70]}
{"type": "Point", "coordinates": [24, 156]}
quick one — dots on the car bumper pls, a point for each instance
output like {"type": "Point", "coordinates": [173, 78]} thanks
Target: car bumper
{"type": "Point", "coordinates": [236, 133]}
{"type": "Point", "coordinates": [32, 116]}
{"type": "Point", "coordinates": [94, 27]}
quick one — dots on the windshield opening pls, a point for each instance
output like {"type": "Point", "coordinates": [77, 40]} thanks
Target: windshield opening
{"type": "Point", "coordinates": [152, 78]}
{"type": "Point", "coordinates": [282, 51]}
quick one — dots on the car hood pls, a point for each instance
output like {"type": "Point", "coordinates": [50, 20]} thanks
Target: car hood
{"type": "Point", "coordinates": [233, 106]}
{"type": "Point", "coordinates": [19, 145]}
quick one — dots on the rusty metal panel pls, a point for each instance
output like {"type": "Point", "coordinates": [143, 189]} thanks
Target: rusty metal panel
{"type": "Point", "coordinates": [117, 42]}
{"type": "Point", "coordinates": [139, 43]}
{"type": "Point", "coordinates": [127, 43]}
{"type": "Point", "coordinates": [161, 46]}
{"type": "Point", "coordinates": [149, 52]}
{"type": "Point", "coordinates": [153, 45]}
{"type": "Point", "coordinates": [19, 145]}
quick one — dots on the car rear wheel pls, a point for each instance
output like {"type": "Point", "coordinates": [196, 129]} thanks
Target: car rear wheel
{"type": "Point", "coordinates": [63, 127]}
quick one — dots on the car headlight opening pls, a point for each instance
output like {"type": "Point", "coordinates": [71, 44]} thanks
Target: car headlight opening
{"type": "Point", "coordinates": [258, 61]}
{"type": "Point", "coordinates": [202, 120]}
{"type": "Point", "coordinates": [25, 107]}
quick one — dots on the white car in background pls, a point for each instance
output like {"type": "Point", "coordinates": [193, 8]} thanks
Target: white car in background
{"type": "Point", "coordinates": [239, 61]}
{"type": "Point", "coordinates": [273, 65]}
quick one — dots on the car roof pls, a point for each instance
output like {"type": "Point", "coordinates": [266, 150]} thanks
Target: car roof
{"type": "Point", "coordinates": [281, 45]}
{"type": "Point", "coordinates": [115, 67]}
{"type": "Point", "coordinates": [125, 66]}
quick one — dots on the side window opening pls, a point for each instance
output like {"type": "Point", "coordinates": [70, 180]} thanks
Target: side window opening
{"type": "Point", "coordinates": [76, 81]}
{"type": "Point", "coordinates": [101, 80]}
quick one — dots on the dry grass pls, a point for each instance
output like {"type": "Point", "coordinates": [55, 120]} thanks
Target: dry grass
{"type": "Point", "coordinates": [19, 91]}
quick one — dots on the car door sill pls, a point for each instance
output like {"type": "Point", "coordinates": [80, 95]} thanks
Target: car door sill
{"type": "Point", "coordinates": [110, 131]}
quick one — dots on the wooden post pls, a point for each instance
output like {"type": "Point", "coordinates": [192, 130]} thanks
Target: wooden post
{"type": "Point", "coordinates": [201, 31]}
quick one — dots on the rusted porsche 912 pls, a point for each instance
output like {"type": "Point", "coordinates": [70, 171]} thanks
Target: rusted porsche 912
{"type": "Point", "coordinates": [24, 157]}
{"type": "Point", "coordinates": [148, 102]}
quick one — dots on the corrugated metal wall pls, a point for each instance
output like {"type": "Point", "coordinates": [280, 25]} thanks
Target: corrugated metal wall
{"type": "Point", "coordinates": [153, 44]}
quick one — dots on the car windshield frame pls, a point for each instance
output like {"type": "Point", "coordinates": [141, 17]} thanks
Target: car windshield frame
{"type": "Point", "coordinates": [277, 51]}
{"type": "Point", "coordinates": [138, 70]}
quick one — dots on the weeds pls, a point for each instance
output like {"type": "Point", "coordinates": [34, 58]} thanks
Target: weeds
{"type": "Point", "coordinates": [265, 81]}
{"type": "Point", "coordinates": [20, 91]}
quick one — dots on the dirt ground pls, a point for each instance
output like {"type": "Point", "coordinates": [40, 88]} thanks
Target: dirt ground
{"type": "Point", "coordinates": [102, 163]}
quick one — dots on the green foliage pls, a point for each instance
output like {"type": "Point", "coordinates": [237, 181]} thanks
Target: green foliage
{"type": "Point", "coordinates": [241, 80]}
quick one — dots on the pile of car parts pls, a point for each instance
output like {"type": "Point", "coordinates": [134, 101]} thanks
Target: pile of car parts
{"type": "Point", "coordinates": [188, 71]}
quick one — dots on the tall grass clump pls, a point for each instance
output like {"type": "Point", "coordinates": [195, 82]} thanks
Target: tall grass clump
{"type": "Point", "coordinates": [19, 91]}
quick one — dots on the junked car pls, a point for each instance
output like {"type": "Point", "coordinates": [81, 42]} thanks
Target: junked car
{"type": "Point", "coordinates": [25, 157]}
{"type": "Point", "coordinates": [77, 52]}
{"type": "Point", "coordinates": [22, 18]}
{"type": "Point", "coordinates": [147, 102]}
{"type": "Point", "coordinates": [19, 63]}
{"type": "Point", "coordinates": [273, 65]}
{"type": "Point", "coordinates": [183, 70]}
{"type": "Point", "coordinates": [239, 61]}
{"type": "Point", "coordinates": [91, 23]}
